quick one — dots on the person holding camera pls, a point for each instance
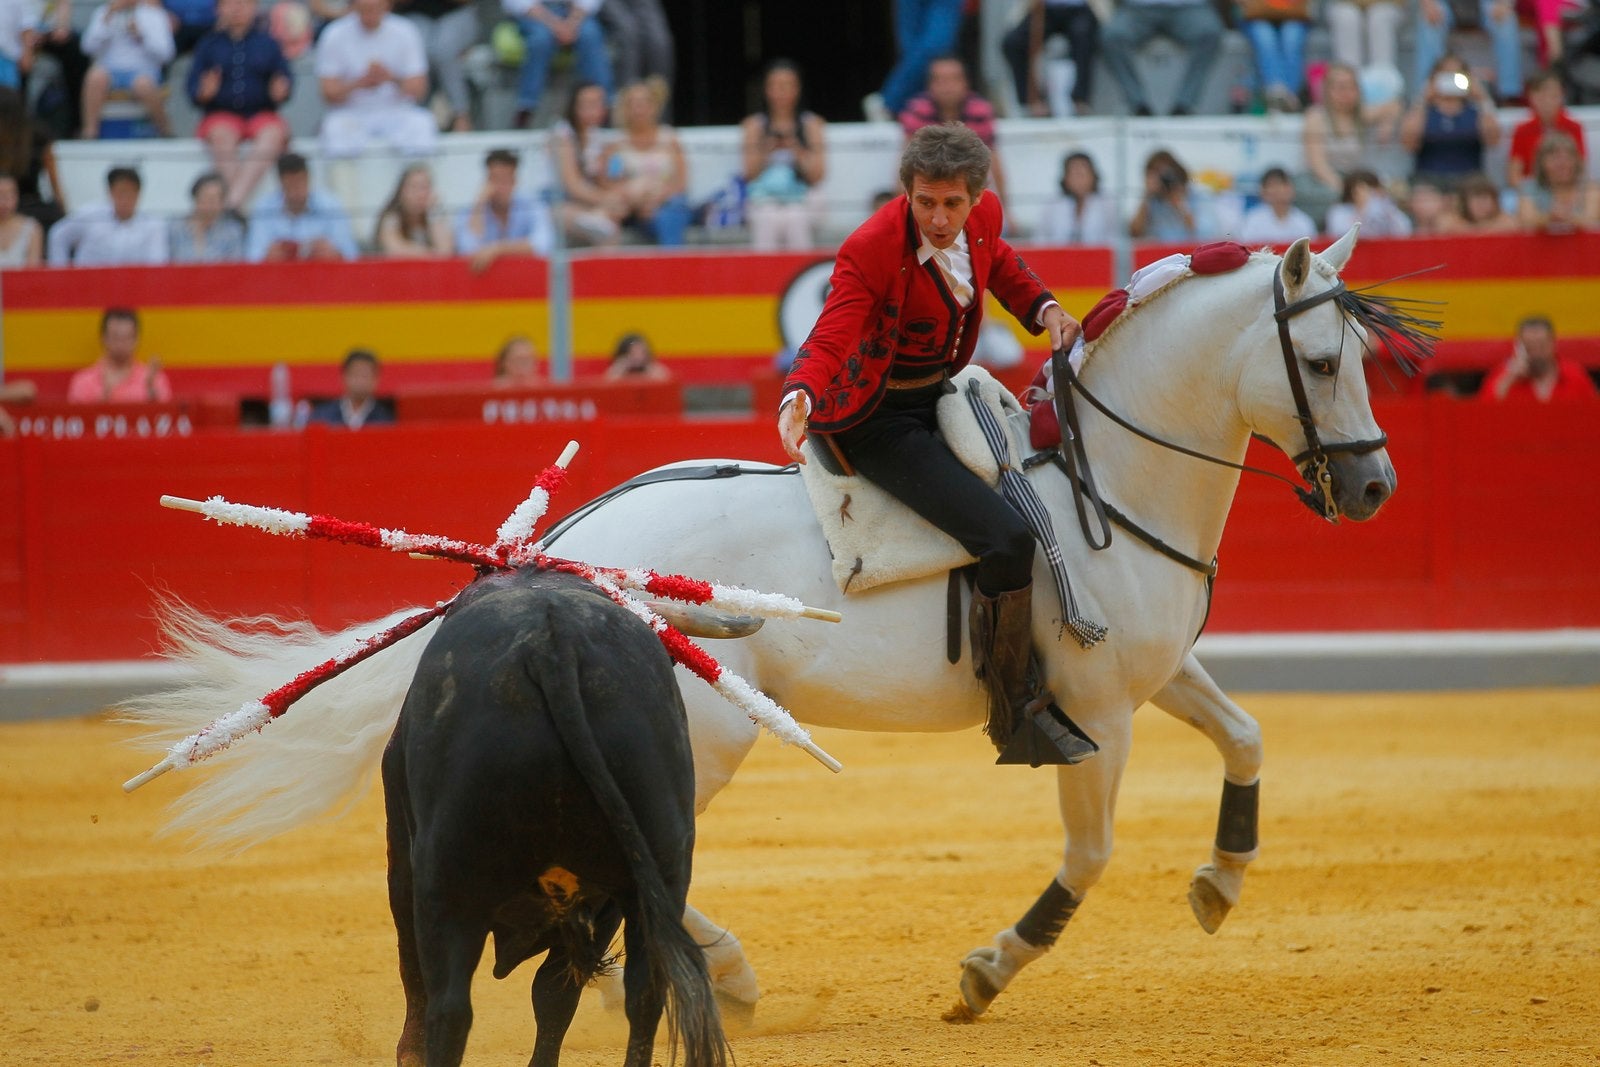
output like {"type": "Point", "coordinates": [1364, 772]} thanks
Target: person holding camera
{"type": "Point", "coordinates": [1448, 129]}
{"type": "Point", "coordinates": [1535, 371]}
{"type": "Point", "coordinates": [785, 156]}
{"type": "Point", "coordinates": [1171, 210]}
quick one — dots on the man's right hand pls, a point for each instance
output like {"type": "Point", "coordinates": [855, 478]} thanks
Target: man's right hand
{"type": "Point", "coordinates": [792, 428]}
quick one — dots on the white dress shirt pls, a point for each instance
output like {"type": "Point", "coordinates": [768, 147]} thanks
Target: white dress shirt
{"type": "Point", "coordinates": [93, 236]}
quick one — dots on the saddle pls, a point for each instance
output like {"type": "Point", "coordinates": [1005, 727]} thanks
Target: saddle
{"type": "Point", "coordinates": [873, 538]}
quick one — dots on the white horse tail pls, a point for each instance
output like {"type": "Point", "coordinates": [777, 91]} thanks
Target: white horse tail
{"type": "Point", "coordinates": [318, 758]}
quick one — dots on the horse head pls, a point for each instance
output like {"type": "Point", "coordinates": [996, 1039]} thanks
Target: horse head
{"type": "Point", "coordinates": [1304, 389]}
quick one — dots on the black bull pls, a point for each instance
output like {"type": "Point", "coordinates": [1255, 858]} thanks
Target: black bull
{"type": "Point", "coordinates": [539, 787]}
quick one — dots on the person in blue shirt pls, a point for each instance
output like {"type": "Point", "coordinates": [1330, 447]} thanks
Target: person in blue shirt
{"type": "Point", "coordinates": [502, 221]}
{"type": "Point", "coordinates": [298, 222]}
{"type": "Point", "coordinates": [191, 20]}
{"type": "Point", "coordinates": [239, 78]}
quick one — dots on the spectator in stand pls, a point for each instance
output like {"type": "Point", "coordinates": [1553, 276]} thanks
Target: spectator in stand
{"type": "Point", "coordinates": [359, 405]}
{"type": "Point", "coordinates": [634, 360]}
{"type": "Point", "coordinates": [1081, 215]}
{"type": "Point", "coordinates": [209, 234]}
{"type": "Point", "coordinates": [785, 152]}
{"type": "Point", "coordinates": [1277, 31]}
{"type": "Point", "coordinates": [298, 222]}
{"type": "Point", "coordinates": [1366, 201]}
{"type": "Point", "coordinates": [19, 37]}
{"type": "Point", "coordinates": [373, 71]}
{"type": "Point", "coordinates": [21, 237]}
{"type": "Point", "coordinates": [411, 226]}
{"type": "Point", "coordinates": [239, 78]}
{"type": "Point", "coordinates": [1432, 213]}
{"type": "Point", "coordinates": [190, 21]}
{"type": "Point", "coordinates": [1479, 210]}
{"type": "Point", "coordinates": [1450, 126]}
{"type": "Point", "coordinates": [1194, 24]}
{"type": "Point", "coordinates": [646, 165]}
{"type": "Point", "coordinates": [550, 25]}
{"type": "Point", "coordinates": [1547, 102]}
{"type": "Point", "coordinates": [1276, 221]}
{"type": "Point", "coordinates": [1171, 210]}
{"type": "Point", "coordinates": [641, 39]}
{"type": "Point", "coordinates": [1366, 33]}
{"type": "Point", "coordinates": [112, 233]}
{"type": "Point", "coordinates": [448, 29]}
{"type": "Point", "coordinates": [58, 40]}
{"type": "Point", "coordinates": [130, 42]}
{"type": "Point", "coordinates": [949, 98]}
{"type": "Point", "coordinates": [118, 377]}
{"type": "Point", "coordinates": [1341, 133]}
{"type": "Point", "coordinates": [1535, 371]}
{"type": "Point", "coordinates": [502, 221]}
{"type": "Point", "coordinates": [27, 153]}
{"type": "Point", "coordinates": [1558, 198]}
{"type": "Point", "coordinates": [590, 214]}
{"type": "Point", "coordinates": [516, 365]}
{"type": "Point", "coordinates": [923, 31]}
{"type": "Point", "coordinates": [1498, 18]}
{"type": "Point", "coordinates": [1073, 19]}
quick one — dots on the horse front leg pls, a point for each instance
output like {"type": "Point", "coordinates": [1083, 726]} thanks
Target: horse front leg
{"type": "Point", "coordinates": [1088, 797]}
{"type": "Point", "coordinates": [1195, 698]}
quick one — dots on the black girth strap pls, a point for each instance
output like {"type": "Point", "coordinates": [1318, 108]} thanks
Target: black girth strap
{"type": "Point", "coordinates": [702, 473]}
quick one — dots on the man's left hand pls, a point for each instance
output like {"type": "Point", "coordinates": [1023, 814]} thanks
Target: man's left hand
{"type": "Point", "coordinates": [1062, 328]}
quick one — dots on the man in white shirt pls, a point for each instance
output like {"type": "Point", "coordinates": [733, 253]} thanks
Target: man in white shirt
{"type": "Point", "coordinates": [373, 70]}
{"type": "Point", "coordinates": [130, 41]}
{"type": "Point", "coordinates": [1276, 221]}
{"type": "Point", "coordinates": [110, 234]}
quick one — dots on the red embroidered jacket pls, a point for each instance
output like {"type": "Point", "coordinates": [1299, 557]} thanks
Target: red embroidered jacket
{"type": "Point", "coordinates": [886, 309]}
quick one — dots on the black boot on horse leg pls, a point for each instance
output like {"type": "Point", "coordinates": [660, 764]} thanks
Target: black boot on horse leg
{"type": "Point", "coordinates": [1024, 722]}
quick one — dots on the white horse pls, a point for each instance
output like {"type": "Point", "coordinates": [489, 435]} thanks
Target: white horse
{"type": "Point", "coordinates": [1200, 362]}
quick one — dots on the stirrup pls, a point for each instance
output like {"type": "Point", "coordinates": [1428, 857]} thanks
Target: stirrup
{"type": "Point", "coordinates": [1047, 736]}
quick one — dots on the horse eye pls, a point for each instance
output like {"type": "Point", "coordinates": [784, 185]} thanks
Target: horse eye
{"type": "Point", "coordinates": [1322, 367]}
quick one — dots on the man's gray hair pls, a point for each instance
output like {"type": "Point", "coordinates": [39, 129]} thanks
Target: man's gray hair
{"type": "Point", "coordinates": [950, 152]}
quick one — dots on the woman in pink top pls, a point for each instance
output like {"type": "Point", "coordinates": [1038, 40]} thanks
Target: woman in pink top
{"type": "Point", "coordinates": [117, 377]}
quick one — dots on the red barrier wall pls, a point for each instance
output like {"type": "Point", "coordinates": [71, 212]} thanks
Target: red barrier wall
{"type": "Point", "coordinates": [1492, 527]}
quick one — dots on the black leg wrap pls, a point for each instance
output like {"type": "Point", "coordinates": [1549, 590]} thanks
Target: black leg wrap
{"type": "Point", "coordinates": [1236, 821]}
{"type": "Point", "coordinates": [1044, 921]}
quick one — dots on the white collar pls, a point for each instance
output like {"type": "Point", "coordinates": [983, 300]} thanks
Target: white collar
{"type": "Point", "coordinates": [925, 250]}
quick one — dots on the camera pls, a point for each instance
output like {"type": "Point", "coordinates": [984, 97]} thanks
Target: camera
{"type": "Point", "coordinates": [1451, 83]}
{"type": "Point", "coordinates": [1169, 179]}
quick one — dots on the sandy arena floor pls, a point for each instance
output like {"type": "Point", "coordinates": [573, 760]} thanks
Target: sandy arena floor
{"type": "Point", "coordinates": [1427, 892]}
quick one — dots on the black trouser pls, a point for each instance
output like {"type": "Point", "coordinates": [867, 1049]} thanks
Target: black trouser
{"type": "Point", "coordinates": [1082, 31]}
{"type": "Point", "coordinates": [899, 448]}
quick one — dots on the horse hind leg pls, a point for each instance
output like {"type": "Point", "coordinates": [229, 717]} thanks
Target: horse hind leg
{"type": "Point", "coordinates": [1195, 698]}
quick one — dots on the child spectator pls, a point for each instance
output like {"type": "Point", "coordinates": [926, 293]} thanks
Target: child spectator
{"type": "Point", "coordinates": [130, 41]}
{"type": "Point", "coordinates": [112, 233]}
{"type": "Point", "coordinates": [373, 70]}
{"type": "Point", "coordinates": [411, 226]}
{"type": "Point", "coordinates": [1450, 126]}
{"type": "Point", "coordinates": [208, 235]}
{"type": "Point", "coordinates": [590, 214]}
{"type": "Point", "coordinates": [448, 29]}
{"type": "Point", "coordinates": [1431, 211]}
{"type": "Point", "coordinates": [1171, 210]}
{"type": "Point", "coordinates": [1547, 102]}
{"type": "Point", "coordinates": [502, 221]}
{"type": "Point", "coordinates": [1366, 202]}
{"type": "Point", "coordinates": [1558, 198]}
{"type": "Point", "coordinates": [516, 365]}
{"type": "Point", "coordinates": [1535, 371]}
{"type": "Point", "coordinates": [1276, 221]}
{"type": "Point", "coordinates": [359, 405]}
{"type": "Point", "coordinates": [1081, 215]}
{"type": "Point", "coordinates": [949, 98]}
{"type": "Point", "coordinates": [785, 155]}
{"type": "Point", "coordinates": [298, 222]}
{"type": "Point", "coordinates": [634, 360]}
{"type": "Point", "coordinates": [549, 25]}
{"type": "Point", "coordinates": [1479, 210]}
{"type": "Point", "coordinates": [239, 78]}
{"type": "Point", "coordinates": [646, 166]}
{"type": "Point", "coordinates": [117, 377]}
{"type": "Point", "coordinates": [21, 238]}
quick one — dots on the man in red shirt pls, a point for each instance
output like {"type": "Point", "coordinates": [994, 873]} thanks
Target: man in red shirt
{"type": "Point", "coordinates": [117, 377]}
{"type": "Point", "coordinates": [1534, 370]}
{"type": "Point", "coordinates": [902, 317]}
{"type": "Point", "coordinates": [1546, 101]}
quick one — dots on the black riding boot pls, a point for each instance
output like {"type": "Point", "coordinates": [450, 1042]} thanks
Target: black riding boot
{"type": "Point", "coordinates": [1024, 722]}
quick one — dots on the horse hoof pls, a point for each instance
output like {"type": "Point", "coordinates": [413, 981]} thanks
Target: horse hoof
{"type": "Point", "coordinates": [1210, 907]}
{"type": "Point", "coordinates": [981, 981]}
{"type": "Point", "coordinates": [736, 1012]}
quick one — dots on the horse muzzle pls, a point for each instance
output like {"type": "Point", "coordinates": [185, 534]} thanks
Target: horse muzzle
{"type": "Point", "coordinates": [1359, 482]}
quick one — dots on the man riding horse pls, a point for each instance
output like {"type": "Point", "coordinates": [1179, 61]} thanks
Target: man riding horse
{"type": "Point", "coordinates": [901, 318]}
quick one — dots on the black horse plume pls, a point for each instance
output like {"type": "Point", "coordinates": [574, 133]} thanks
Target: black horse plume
{"type": "Point", "coordinates": [1394, 324]}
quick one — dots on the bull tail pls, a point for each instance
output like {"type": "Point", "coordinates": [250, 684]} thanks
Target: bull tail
{"type": "Point", "coordinates": [677, 963]}
{"type": "Point", "coordinates": [316, 759]}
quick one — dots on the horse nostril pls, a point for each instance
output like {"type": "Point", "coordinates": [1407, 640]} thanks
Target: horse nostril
{"type": "Point", "coordinates": [1376, 493]}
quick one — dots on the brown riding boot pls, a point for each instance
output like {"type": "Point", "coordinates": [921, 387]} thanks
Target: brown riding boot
{"type": "Point", "coordinates": [1024, 722]}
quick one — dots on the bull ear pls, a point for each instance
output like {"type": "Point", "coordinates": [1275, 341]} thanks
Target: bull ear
{"type": "Point", "coordinates": [1337, 254]}
{"type": "Point", "coordinates": [1296, 267]}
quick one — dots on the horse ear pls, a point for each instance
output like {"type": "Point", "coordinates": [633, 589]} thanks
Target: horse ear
{"type": "Point", "coordinates": [1337, 254]}
{"type": "Point", "coordinates": [1296, 266]}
